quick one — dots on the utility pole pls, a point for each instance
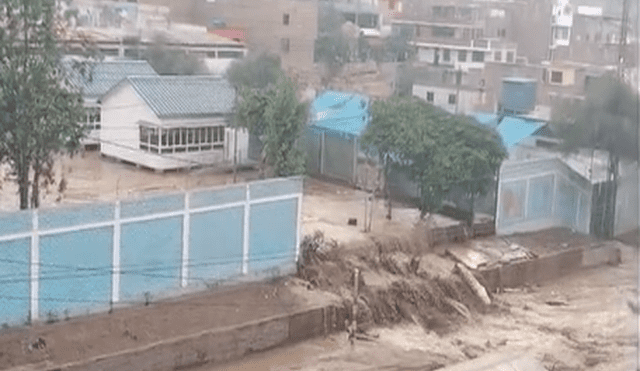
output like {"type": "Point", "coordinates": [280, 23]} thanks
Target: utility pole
{"type": "Point", "coordinates": [623, 38]}
{"type": "Point", "coordinates": [458, 81]}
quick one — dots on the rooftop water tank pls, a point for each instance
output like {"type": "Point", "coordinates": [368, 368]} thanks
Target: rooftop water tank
{"type": "Point", "coordinates": [518, 95]}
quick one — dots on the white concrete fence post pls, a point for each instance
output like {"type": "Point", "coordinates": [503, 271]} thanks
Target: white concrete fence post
{"type": "Point", "coordinates": [35, 268]}
{"type": "Point", "coordinates": [115, 278]}
{"type": "Point", "coordinates": [186, 222]}
{"type": "Point", "coordinates": [245, 234]}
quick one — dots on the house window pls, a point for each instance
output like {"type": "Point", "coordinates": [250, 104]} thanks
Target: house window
{"type": "Point", "coordinates": [446, 55]}
{"type": "Point", "coordinates": [230, 54]}
{"type": "Point", "coordinates": [93, 119]}
{"type": "Point", "coordinates": [285, 19]}
{"type": "Point", "coordinates": [284, 45]}
{"type": "Point", "coordinates": [430, 96]}
{"type": "Point", "coordinates": [561, 33]}
{"type": "Point", "coordinates": [509, 57]}
{"type": "Point", "coordinates": [497, 56]}
{"type": "Point", "coordinates": [443, 32]}
{"type": "Point", "coordinates": [452, 99]}
{"type": "Point", "coordinates": [556, 77]}
{"type": "Point", "coordinates": [477, 56]}
{"type": "Point", "coordinates": [462, 55]}
{"type": "Point", "coordinates": [179, 140]}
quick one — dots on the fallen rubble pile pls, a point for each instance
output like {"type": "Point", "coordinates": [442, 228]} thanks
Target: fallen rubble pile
{"type": "Point", "coordinates": [399, 282]}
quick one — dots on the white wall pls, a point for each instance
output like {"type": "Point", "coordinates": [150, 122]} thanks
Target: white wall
{"type": "Point", "coordinates": [120, 135]}
{"type": "Point", "coordinates": [467, 99]}
{"type": "Point", "coordinates": [243, 145]}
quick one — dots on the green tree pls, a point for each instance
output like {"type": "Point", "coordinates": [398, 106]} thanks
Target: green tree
{"type": "Point", "coordinates": [255, 71]}
{"type": "Point", "coordinates": [607, 120]}
{"type": "Point", "coordinates": [278, 118]}
{"type": "Point", "coordinates": [168, 61]}
{"type": "Point", "coordinates": [435, 149]}
{"type": "Point", "coordinates": [39, 116]}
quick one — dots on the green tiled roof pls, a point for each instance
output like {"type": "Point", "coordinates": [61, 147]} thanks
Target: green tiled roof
{"type": "Point", "coordinates": [96, 78]}
{"type": "Point", "coordinates": [185, 96]}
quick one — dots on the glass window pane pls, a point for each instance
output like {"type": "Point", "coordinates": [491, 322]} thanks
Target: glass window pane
{"type": "Point", "coordinates": [196, 136]}
{"type": "Point", "coordinates": [190, 136]}
{"type": "Point", "coordinates": [144, 134]}
{"type": "Point", "coordinates": [154, 136]}
{"type": "Point", "coordinates": [203, 135]}
{"type": "Point", "coordinates": [215, 134]}
{"type": "Point", "coordinates": [183, 136]}
{"type": "Point", "coordinates": [209, 134]}
{"type": "Point", "coordinates": [163, 135]}
{"type": "Point", "coordinates": [171, 134]}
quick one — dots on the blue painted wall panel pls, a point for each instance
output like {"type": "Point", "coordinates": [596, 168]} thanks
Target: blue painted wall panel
{"type": "Point", "coordinates": [216, 245]}
{"type": "Point", "coordinates": [272, 237]}
{"type": "Point", "coordinates": [150, 257]}
{"type": "Point", "coordinates": [17, 222]}
{"type": "Point", "coordinates": [567, 202]}
{"type": "Point", "coordinates": [151, 205]}
{"type": "Point", "coordinates": [512, 196]}
{"type": "Point", "coordinates": [540, 198]}
{"type": "Point", "coordinates": [72, 216]}
{"type": "Point", "coordinates": [14, 281]}
{"type": "Point", "coordinates": [217, 197]}
{"type": "Point", "coordinates": [75, 271]}
{"type": "Point", "coordinates": [277, 187]}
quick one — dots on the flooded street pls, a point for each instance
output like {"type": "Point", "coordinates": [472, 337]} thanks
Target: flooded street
{"type": "Point", "coordinates": [580, 322]}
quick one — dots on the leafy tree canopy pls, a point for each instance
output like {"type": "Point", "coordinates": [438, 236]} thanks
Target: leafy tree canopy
{"type": "Point", "coordinates": [39, 116]}
{"type": "Point", "coordinates": [278, 118]}
{"type": "Point", "coordinates": [255, 71]}
{"type": "Point", "coordinates": [436, 149]}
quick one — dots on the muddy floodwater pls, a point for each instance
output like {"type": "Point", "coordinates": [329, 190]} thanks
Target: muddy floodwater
{"type": "Point", "coordinates": [580, 322]}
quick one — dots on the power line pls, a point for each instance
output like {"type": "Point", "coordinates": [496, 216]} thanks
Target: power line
{"type": "Point", "coordinates": [148, 272]}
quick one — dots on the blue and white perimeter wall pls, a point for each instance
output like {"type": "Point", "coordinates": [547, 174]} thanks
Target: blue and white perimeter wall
{"type": "Point", "coordinates": [539, 194]}
{"type": "Point", "coordinates": [65, 261]}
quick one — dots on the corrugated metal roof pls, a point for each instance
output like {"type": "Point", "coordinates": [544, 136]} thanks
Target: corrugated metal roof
{"type": "Point", "coordinates": [512, 130]}
{"type": "Point", "coordinates": [98, 78]}
{"type": "Point", "coordinates": [485, 118]}
{"type": "Point", "coordinates": [185, 96]}
{"type": "Point", "coordinates": [340, 111]}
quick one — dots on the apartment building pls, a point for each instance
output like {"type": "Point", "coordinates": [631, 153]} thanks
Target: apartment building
{"type": "Point", "coordinates": [287, 28]}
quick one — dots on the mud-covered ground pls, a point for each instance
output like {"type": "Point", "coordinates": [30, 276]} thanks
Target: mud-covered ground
{"type": "Point", "coordinates": [580, 322]}
{"type": "Point", "coordinates": [422, 312]}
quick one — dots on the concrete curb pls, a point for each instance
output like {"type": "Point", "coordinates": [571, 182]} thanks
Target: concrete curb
{"type": "Point", "coordinates": [548, 267]}
{"type": "Point", "coordinates": [213, 346]}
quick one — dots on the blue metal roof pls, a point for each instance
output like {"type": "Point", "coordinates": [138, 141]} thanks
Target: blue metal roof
{"type": "Point", "coordinates": [340, 111]}
{"type": "Point", "coordinates": [98, 78]}
{"type": "Point", "coordinates": [512, 130]}
{"type": "Point", "coordinates": [185, 96]}
{"type": "Point", "coordinates": [490, 119]}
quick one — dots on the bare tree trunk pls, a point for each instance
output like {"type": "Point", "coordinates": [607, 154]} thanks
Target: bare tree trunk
{"type": "Point", "coordinates": [23, 185]}
{"type": "Point", "coordinates": [387, 191]}
{"type": "Point", "coordinates": [35, 188]}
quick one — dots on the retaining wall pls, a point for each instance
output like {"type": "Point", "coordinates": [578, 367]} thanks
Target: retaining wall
{"type": "Point", "coordinates": [217, 345]}
{"type": "Point", "coordinates": [548, 267]}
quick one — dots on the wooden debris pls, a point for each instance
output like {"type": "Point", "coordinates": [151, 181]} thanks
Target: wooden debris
{"type": "Point", "coordinates": [473, 283]}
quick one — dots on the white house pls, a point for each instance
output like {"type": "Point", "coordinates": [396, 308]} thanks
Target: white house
{"type": "Point", "coordinates": [454, 91]}
{"type": "Point", "coordinates": [94, 79]}
{"type": "Point", "coordinates": [171, 122]}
